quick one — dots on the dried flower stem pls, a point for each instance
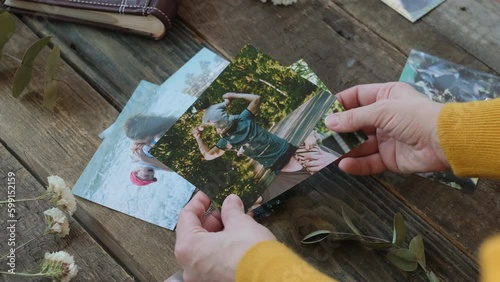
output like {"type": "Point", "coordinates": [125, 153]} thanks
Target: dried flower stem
{"type": "Point", "coordinates": [44, 196]}
{"type": "Point", "coordinates": [39, 274]}
{"type": "Point", "coordinates": [12, 57]}
{"type": "Point", "coordinates": [25, 243]}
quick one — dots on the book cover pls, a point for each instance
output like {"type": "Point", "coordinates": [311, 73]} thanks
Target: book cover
{"type": "Point", "coordinates": [122, 175]}
{"type": "Point", "coordinates": [146, 17]}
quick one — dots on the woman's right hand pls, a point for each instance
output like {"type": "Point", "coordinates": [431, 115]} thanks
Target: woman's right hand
{"type": "Point", "coordinates": [401, 125]}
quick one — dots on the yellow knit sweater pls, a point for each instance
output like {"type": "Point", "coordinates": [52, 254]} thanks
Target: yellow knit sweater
{"type": "Point", "coordinates": [469, 134]}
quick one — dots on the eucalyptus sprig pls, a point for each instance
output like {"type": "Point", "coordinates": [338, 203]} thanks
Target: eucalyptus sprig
{"type": "Point", "coordinates": [405, 259]}
{"type": "Point", "coordinates": [23, 74]}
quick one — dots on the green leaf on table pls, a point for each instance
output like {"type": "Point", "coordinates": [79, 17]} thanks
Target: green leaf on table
{"type": "Point", "coordinates": [35, 48]}
{"type": "Point", "coordinates": [432, 277]}
{"type": "Point", "coordinates": [50, 94]}
{"type": "Point", "coordinates": [52, 63]}
{"type": "Point", "coordinates": [349, 222]}
{"type": "Point", "coordinates": [399, 233]}
{"type": "Point", "coordinates": [404, 259]}
{"type": "Point", "coordinates": [316, 236]}
{"type": "Point", "coordinates": [377, 245]}
{"type": "Point", "coordinates": [417, 247]}
{"type": "Point", "coordinates": [23, 73]}
{"type": "Point", "coordinates": [21, 79]}
{"type": "Point", "coordinates": [7, 28]}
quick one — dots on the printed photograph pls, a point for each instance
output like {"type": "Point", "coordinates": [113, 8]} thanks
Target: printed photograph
{"type": "Point", "coordinates": [413, 9]}
{"type": "Point", "coordinates": [244, 129]}
{"type": "Point", "coordinates": [444, 82]}
{"type": "Point", "coordinates": [122, 174]}
{"type": "Point", "coordinates": [321, 147]}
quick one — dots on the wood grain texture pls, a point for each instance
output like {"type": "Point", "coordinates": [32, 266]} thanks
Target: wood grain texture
{"type": "Point", "coordinates": [113, 62]}
{"type": "Point", "coordinates": [93, 262]}
{"type": "Point", "coordinates": [473, 25]}
{"type": "Point", "coordinates": [62, 142]}
{"type": "Point", "coordinates": [316, 204]}
{"type": "Point", "coordinates": [422, 35]}
{"type": "Point", "coordinates": [466, 218]}
{"type": "Point", "coordinates": [339, 48]}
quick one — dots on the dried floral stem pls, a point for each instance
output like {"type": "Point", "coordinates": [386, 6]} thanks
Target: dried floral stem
{"type": "Point", "coordinates": [39, 274]}
{"type": "Point", "coordinates": [25, 243]}
{"type": "Point", "coordinates": [44, 196]}
{"type": "Point", "coordinates": [12, 57]}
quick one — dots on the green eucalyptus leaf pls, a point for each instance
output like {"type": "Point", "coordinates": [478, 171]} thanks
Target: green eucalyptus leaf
{"type": "Point", "coordinates": [377, 245]}
{"type": "Point", "coordinates": [21, 79]}
{"type": "Point", "coordinates": [432, 276]}
{"type": "Point", "coordinates": [399, 233]}
{"type": "Point", "coordinates": [52, 63]}
{"type": "Point", "coordinates": [349, 222]}
{"type": "Point", "coordinates": [404, 259]}
{"type": "Point", "coordinates": [34, 50]}
{"type": "Point", "coordinates": [319, 234]}
{"type": "Point", "coordinates": [7, 28]}
{"type": "Point", "coordinates": [417, 247]}
{"type": "Point", "coordinates": [50, 94]}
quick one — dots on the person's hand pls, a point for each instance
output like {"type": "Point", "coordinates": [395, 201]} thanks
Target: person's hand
{"type": "Point", "coordinates": [310, 141]}
{"type": "Point", "coordinates": [136, 146]}
{"type": "Point", "coordinates": [401, 125]}
{"type": "Point", "coordinates": [196, 132]}
{"type": "Point", "coordinates": [139, 155]}
{"type": "Point", "coordinates": [314, 162]}
{"type": "Point", "coordinates": [210, 250]}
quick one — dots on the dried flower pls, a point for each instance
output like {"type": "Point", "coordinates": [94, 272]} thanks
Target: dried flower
{"type": "Point", "coordinates": [61, 194]}
{"type": "Point", "coordinates": [60, 266]}
{"type": "Point", "coordinates": [57, 222]}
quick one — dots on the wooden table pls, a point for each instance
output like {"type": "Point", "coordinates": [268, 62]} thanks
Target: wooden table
{"type": "Point", "coordinates": [346, 42]}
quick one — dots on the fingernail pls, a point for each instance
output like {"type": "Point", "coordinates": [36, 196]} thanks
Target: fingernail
{"type": "Point", "coordinates": [233, 199]}
{"type": "Point", "coordinates": [332, 120]}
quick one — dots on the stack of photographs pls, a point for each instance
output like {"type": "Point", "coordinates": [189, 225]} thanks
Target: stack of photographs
{"type": "Point", "coordinates": [444, 82]}
{"type": "Point", "coordinates": [251, 127]}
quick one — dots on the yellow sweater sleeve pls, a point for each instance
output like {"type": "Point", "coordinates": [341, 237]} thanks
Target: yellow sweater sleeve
{"type": "Point", "coordinates": [272, 261]}
{"type": "Point", "coordinates": [469, 134]}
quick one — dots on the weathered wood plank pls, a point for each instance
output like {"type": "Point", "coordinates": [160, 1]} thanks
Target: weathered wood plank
{"type": "Point", "coordinates": [113, 62]}
{"type": "Point", "coordinates": [316, 204]}
{"type": "Point", "coordinates": [340, 49]}
{"type": "Point", "coordinates": [473, 25]}
{"type": "Point", "coordinates": [405, 35]}
{"type": "Point", "coordinates": [467, 218]}
{"type": "Point", "coordinates": [94, 263]}
{"type": "Point", "coordinates": [62, 142]}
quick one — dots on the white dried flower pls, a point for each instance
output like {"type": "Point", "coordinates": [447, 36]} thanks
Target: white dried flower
{"type": "Point", "coordinates": [57, 222]}
{"type": "Point", "coordinates": [61, 194]}
{"type": "Point", "coordinates": [60, 266]}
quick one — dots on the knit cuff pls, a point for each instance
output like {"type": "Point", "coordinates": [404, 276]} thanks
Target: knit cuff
{"type": "Point", "coordinates": [273, 261]}
{"type": "Point", "coordinates": [469, 134]}
{"type": "Point", "coordinates": [489, 258]}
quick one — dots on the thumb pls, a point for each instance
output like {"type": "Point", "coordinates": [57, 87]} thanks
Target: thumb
{"type": "Point", "coordinates": [354, 119]}
{"type": "Point", "coordinates": [232, 208]}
